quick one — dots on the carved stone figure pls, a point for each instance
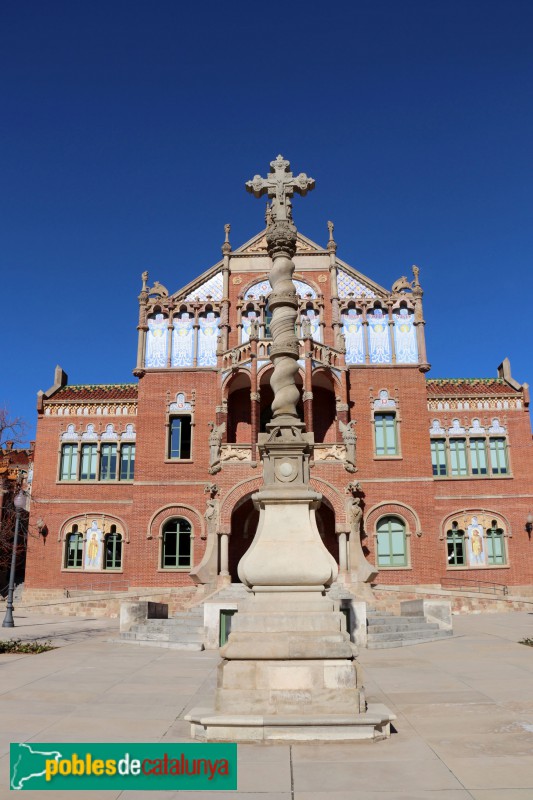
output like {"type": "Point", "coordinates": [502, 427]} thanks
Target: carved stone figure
{"type": "Point", "coordinates": [361, 570]}
{"type": "Point", "coordinates": [211, 516]}
{"type": "Point", "coordinates": [215, 445]}
{"type": "Point", "coordinates": [349, 437]}
{"type": "Point", "coordinates": [306, 328]}
{"type": "Point", "coordinates": [235, 356]}
{"type": "Point", "coordinates": [253, 332]}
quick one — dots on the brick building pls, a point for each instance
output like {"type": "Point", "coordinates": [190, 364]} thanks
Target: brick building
{"type": "Point", "coordinates": [150, 484]}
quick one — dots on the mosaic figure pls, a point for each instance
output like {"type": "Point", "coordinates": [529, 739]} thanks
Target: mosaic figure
{"type": "Point", "coordinates": [183, 340]}
{"type": "Point", "coordinates": [94, 547]}
{"type": "Point", "coordinates": [156, 341]}
{"type": "Point", "coordinates": [405, 337]}
{"type": "Point", "coordinates": [207, 339]}
{"type": "Point", "coordinates": [379, 342]}
{"type": "Point", "coordinates": [352, 328]}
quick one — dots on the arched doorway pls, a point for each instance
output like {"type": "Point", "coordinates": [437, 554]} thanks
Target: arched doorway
{"type": "Point", "coordinates": [245, 518]}
{"type": "Point", "coordinates": [244, 521]}
{"type": "Point", "coordinates": [324, 408]}
{"type": "Point", "coordinates": [239, 414]}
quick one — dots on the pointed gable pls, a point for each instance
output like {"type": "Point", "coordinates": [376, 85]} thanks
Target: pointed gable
{"type": "Point", "coordinates": [258, 245]}
{"type": "Point", "coordinates": [349, 286]}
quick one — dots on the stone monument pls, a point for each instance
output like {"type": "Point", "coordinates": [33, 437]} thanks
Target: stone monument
{"type": "Point", "coordinates": [288, 670]}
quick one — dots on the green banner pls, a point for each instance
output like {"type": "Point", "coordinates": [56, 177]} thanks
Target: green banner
{"type": "Point", "coordinates": [123, 766]}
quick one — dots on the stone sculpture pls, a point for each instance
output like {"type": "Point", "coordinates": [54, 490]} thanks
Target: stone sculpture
{"type": "Point", "coordinates": [349, 437]}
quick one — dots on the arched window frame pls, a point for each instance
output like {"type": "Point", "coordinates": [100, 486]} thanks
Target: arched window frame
{"type": "Point", "coordinates": [82, 524]}
{"type": "Point", "coordinates": [117, 542]}
{"type": "Point", "coordinates": [73, 534]}
{"type": "Point", "coordinates": [486, 520]}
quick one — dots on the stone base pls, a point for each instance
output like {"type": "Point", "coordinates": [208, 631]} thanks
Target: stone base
{"type": "Point", "coordinates": [208, 725]}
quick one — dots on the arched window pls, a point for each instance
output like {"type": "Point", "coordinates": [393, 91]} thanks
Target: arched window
{"type": "Point", "coordinates": [176, 550]}
{"type": "Point", "coordinates": [113, 549]}
{"type": "Point", "coordinates": [391, 542]}
{"type": "Point", "coordinates": [74, 549]}
{"type": "Point", "coordinates": [455, 545]}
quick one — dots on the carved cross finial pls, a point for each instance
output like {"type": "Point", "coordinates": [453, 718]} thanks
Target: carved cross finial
{"type": "Point", "coordinates": [416, 271]}
{"type": "Point", "coordinates": [144, 277]}
{"type": "Point", "coordinates": [280, 184]}
{"type": "Point", "coordinates": [331, 227]}
{"type": "Point", "coordinates": [227, 228]}
{"type": "Point", "coordinates": [226, 247]}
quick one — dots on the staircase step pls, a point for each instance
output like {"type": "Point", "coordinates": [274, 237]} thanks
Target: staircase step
{"type": "Point", "coordinates": [435, 637]}
{"type": "Point", "coordinates": [398, 627]}
{"type": "Point", "coordinates": [403, 635]}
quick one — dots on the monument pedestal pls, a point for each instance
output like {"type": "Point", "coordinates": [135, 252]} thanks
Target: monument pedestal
{"type": "Point", "coordinates": [288, 670]}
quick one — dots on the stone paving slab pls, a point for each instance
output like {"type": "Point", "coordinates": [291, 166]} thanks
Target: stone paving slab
{"type": "Point", "coordinates": [464, 706]}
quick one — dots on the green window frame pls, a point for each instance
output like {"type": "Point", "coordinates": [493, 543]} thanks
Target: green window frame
{"type": "Point", "coordinates": [438, 457]}
{"type": "Point", "coordinates": [108, 462]}
{"type": "Point", "coordinates": [499, 463]}
{"type": "Point", "coordinates": [127, 462]}
{"type": "Point", "coordinates": [113, 549]}
{"type": "Point", "coordinates": [180, 435]}
{"type": "Point", "coordinates": [176, 550]}
{"type": "Point", "coordinates": [89, 462]}
{"type": "Point", "coordinates": [455, 546]}
{"type": "Point", "coordinates": [391, 542]}
{"type": "Point", "coordinates": [495, 545]}
{"type": "Point", "coordinates": [478, 457]}
{"type": "Point", "coordinates": [385, 434]}
{"type": "Point", "coordinates": [74, 549]}
{"type": "Point", "coordinates": [458, 462]}
{"type": "Point", "coordinates": [68, 470]}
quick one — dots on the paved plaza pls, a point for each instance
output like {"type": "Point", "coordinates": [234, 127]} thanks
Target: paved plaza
{"type": "Point", "coordinates": [464, 713]}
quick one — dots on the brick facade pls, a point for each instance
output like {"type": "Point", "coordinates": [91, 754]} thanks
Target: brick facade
{"type": "Point", "coordinates": [233, 391]}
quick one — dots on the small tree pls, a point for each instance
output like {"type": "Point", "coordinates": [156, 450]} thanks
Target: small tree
{"type": "Point", "coordinates": [13, 434]}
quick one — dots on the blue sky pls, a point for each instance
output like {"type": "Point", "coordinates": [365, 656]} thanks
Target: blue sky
{"type": "Point", "coordinates": [128, 130]}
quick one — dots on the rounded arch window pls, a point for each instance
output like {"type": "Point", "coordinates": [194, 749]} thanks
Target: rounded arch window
{"type": "Point", "coordinates": [391, 542]}
{"type": "Point", "coordinates": [113, 549]}
{"type": "Point", "coordinates": [74, 549]}
{"type": "Point", "coordinates": [176, 550]}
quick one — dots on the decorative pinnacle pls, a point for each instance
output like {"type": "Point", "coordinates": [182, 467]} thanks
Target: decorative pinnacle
{"type": "Point", "coordinates": [144, 277]}
{"type": "Point", "coordinates": [280, 184]}
{"type": "Point", "coordinates": [332, 244]}
{"type": "Point", "coordinates": [416, 271]}
{"type": "Point", "coordinates": [226, 247]}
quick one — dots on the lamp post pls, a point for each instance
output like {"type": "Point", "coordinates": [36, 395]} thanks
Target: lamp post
{"type": "Point", "coordinates": [19, 503]}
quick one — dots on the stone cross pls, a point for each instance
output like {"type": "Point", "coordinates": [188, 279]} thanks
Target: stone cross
{"type": "Point", "coordinates": [280, 184]}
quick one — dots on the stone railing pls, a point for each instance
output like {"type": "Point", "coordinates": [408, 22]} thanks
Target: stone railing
{"type": "Point", "coordinates": [324, 354]}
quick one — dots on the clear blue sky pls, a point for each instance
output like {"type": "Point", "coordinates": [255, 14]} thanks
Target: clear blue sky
{"type": "Point", "coordinates": [129, 128]}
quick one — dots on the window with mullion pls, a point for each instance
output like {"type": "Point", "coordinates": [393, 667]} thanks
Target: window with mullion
{"type": "Point", "coordinates": [438, 457]}
{"type": "Point", "coordinates": [89, 458]}
{"type": "Point", "coordinates": [455, 546]}
{"type": "Point", "coordinates": [127, 462]}
{"type": "Point", "coordinates": [108, 462]}
{"type": "Point", "coordinates": [113, 551]}
{"type": "Point", "coordinates": [74, 549]}
{"type": "Point", "coordinates": [478, 457]}
{"type": "Point", "coordinates": [495, 546]}
{"type": "Point", "coordinates": [458, 461]}
{"type": "Point", "coordinates": [498, 456]}
{"type": "Point", "coordinates": [69, 462]}
{"type": "Point", "coordinates": [386, 440]}
{"type": "Point", "coordinates": [391, 543]}
{"type": "Point", "coordinates": [177, 549]}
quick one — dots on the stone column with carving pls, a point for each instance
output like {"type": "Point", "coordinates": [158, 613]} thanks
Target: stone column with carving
{"type": "Point", "coordinates": [289, 663]}
{"type": "Point", "coordinates": [142, 327]}
{"type": "Point", "coordinates": [420, 322]}
{"type": "Point", "coordinates": [224, 309]}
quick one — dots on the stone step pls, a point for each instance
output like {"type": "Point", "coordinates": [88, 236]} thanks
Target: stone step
{"type": "Point", "coordinates": [191, 646]}
{"type": "Point", "coordinates": [386, 618]}
{"type": "Point", "coordinates": [398, 627]}
{"type": "Point", "coordinates": [435, 637]}
{"type": "Point", "coordinates": [161, 636]}
{"type": "Point", "coordinates": [403, 635]}
{"type": "Point", "coordinates": [193, 630]}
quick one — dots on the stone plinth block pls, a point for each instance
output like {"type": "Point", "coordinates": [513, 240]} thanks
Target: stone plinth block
{"type": "Point", "coordinates": [132, 612]}
{"type": "Point", "coordinates": [439, 611]}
